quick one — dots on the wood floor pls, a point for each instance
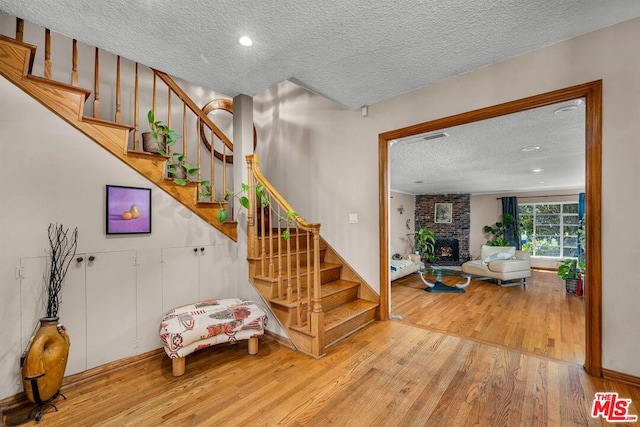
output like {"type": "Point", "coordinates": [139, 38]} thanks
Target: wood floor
{"type": "Point", "coordinates": [387, 374]}
{"type": "Point", "coordinates": [541, 318]}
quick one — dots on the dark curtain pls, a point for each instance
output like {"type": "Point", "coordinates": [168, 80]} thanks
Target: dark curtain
{"type": "Point", "coordinates": [512, 234]}
{"type": "Point", "coordinates": [581, 211]}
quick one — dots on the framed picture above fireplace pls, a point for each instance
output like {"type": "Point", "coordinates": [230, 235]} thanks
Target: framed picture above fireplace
{"type": "Point", "coordinates": [443, 213]}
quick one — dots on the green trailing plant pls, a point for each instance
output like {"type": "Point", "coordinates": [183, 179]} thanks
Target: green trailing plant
{"type": "Point", "coordinates": [499, 230]}
{"type": "Point", "coordinates": [158, 128]}
{"type": "Point", "coordinates": [177, 165]}
{"type": "Point", "coordinates": [425, 240]}
{"type": "Point", "coordinates": [263, 201]}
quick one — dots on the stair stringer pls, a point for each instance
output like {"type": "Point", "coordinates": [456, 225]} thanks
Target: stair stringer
{"type": "Point", "coordinates": [66, 101]}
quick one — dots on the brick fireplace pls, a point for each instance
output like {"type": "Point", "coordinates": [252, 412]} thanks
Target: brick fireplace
{"type": "Point", "coordinates": [457, 230]}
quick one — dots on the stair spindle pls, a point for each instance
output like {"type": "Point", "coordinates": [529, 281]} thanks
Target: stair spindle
{"type": "Point", "coordinates": [155, 92]}
{"type": "Point", "coordinates": [19, 29]}
{"type": "Point", "coordinates": [279, 231]}
{"type": "Point", "coordinates": [299, 280]}
{"type": "Point", "coordinates": [74, 63]}
{"type": "Point", "coordinates": [212, 165]}
{"type": "Point", "coordinates": [224, 162]}
{"type": "Point", "coordinates": [136, 112]}
{"type": "Point", "coordinates": [185, 138]}
{"type": "Point", "coordinates": [289, 278]}
{"type": "Point", "coordinates": [96, 85]}
{"type": "Point", "coordinates": [47, 53]}
{"type": "Point", "coordinates": [270, 228]}
{"type": "Point", "coordinates": [169, 115]}
{"type": "Point", "coordinates": [118, 116]}
{"type": "Point", "coordinates": [309, 281]}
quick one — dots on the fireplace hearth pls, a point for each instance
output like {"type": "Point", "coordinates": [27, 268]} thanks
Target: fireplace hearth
{"type": "Point", "coordinates": [447, 251]}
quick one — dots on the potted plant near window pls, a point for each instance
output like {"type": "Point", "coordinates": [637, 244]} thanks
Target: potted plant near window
{"type": "Point", "coordinates": [570, 271]}
{"type": "Point", "coordinates": [498, 231]}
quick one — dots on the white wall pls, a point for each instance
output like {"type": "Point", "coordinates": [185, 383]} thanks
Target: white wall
{"type": "Point", "coordinates": [56, 174]}
{"type": "Point", "coordinates": [401, 238]}
{"type": "Point", "coordinates": [326, 157]}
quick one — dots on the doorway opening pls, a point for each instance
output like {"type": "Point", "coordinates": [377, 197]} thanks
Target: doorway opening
{"type": "Point", "coordinates": [592, 94]}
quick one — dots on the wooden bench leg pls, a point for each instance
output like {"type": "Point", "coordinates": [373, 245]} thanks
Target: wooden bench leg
{"type": "Point", "coordinates": [178, 366]}
{"type": "Point", "coordinates": [253, 345]}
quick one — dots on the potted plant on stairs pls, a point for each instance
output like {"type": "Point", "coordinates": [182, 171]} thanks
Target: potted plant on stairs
{"type": "Point", "coordinates": [160, 137]}
{"type": "Point", "coordinates": [179, 169]}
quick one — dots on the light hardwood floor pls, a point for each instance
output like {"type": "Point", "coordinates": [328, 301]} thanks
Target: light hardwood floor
{"type": "Point", "coordinates": [540, 318]}
{"type": "Point", "coordinates": [387, 374]}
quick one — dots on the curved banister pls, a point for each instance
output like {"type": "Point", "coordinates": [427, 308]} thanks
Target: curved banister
{"type": "Point", "coordinates": [252, 159]}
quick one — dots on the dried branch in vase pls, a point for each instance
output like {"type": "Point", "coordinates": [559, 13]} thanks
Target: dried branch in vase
{"type": "Point", "coordinates": [62, 250]}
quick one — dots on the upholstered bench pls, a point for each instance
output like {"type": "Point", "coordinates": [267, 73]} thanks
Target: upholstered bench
{"type": "Point", "coordinates": [192, 327]}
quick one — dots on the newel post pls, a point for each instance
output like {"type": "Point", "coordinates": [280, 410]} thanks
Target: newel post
{"type": "Point", "coordinates": [317, 315]}
{"type": "Point", "coordinates": [252, 249]}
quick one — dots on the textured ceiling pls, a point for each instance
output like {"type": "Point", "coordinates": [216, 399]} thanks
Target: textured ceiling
{"type": "Point", "coordinates": [356, 52]}
{"type": "Point", "coordinates": [486, 156]}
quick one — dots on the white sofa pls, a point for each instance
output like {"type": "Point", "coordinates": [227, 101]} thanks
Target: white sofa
{"type": "Point", "coordinates": [503, 263]}
{"type": "Point", "coordinates": [410, 263]}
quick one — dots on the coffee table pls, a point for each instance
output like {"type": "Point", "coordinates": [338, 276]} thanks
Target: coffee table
{"type": "Point", "coordinates": [439, 273]}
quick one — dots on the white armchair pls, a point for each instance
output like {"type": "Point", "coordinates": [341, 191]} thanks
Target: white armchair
{"type": "Point", "coordinates": [503, 263]}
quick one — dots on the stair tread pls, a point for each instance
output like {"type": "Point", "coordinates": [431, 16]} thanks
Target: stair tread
{"type": "Point", "coordinates": [324, 266]}
{"type": "Point", "coordinates": [275, 254]}
{"type": "Point", "coordinates": [146, 154]}
{"type": "Point", "coordinates": [107, 123]}
{"type": "Point", "coordinates": [327, 290]}
{"type": "Point", "coordinates": [65, 86]}
{"type": "Point", "coordinates": [345, 312]}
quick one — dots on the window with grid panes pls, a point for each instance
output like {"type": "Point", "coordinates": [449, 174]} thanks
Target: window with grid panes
{"type": "Point", "coordinates": [549, 229]}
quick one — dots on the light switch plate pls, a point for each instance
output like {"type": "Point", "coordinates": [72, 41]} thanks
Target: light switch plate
{"type": "Point", "coordinates": [353, 218]}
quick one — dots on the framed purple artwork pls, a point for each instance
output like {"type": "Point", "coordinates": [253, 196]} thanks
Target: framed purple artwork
{"type": "Point", "coordinates": [128, 210]}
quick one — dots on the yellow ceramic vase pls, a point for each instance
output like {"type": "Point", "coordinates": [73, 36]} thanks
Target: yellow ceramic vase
{"type": "Point", "coordinates": [45, 362]}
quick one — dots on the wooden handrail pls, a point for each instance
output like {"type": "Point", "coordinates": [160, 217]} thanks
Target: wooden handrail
{"type": "Point", "coordinates": [120, 112]}
{"type": "Point", "coordinates": [302, 256]}
{"type": "Point", "coordinates": [300, 222]}
{"type": "Point", "coordinates": [193, 107]}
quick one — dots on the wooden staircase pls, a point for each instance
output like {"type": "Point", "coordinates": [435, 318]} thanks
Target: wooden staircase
{"type": "Point", "coordinates": [302, 277]}
{"type": "Point", "coordinates": [67, 101]}
{"type": "Point", "coordinates": [344, 311]}
{"type": "Point", "coordinates": [315, 295]}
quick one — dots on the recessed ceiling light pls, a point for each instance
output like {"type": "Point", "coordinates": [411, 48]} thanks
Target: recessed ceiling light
{"type": "Point", "coordinates": [245, 41]}
{"type": "Point", "coordinates": [530, 148]}
{"type": "Point", "coordinates": [542, 182]}
{"type": "Point", "coordinates": [537, 170]}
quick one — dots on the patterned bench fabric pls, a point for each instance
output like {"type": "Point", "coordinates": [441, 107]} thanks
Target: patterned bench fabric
{"type": "Point", "coordinates": [192, 327]}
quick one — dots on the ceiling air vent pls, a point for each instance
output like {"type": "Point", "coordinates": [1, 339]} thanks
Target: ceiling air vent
{"type": "Point", "coordinates": [435, 136]}
{"type": "Point", "coordinates": [414, 139]}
